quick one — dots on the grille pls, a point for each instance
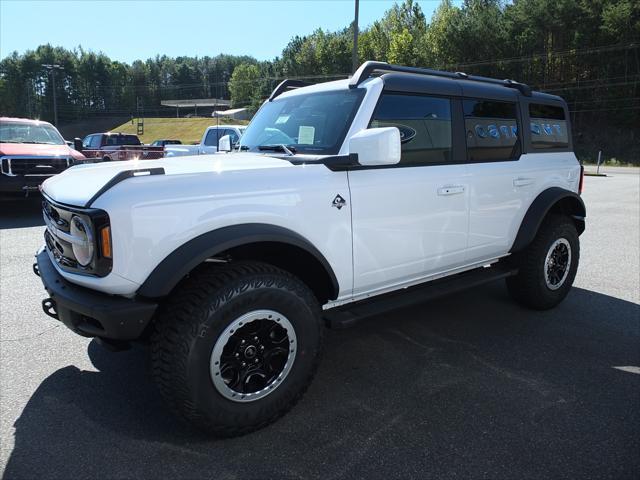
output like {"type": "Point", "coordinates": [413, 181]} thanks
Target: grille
{"type": "Point", "coordinates": [38, 166]}
{"type": "Point", "coordinates": [58, 219]}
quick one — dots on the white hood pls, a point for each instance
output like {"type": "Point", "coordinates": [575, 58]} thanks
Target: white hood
{"type": "Point", "coordinates": [77, 185]}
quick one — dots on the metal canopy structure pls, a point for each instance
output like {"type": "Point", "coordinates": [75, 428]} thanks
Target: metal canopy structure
{"type": "Point", "coordinates": [195, 103]}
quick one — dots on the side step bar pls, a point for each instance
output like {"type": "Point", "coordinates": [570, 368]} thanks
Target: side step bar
{"type": "Point", "coordinates": [344, 317]}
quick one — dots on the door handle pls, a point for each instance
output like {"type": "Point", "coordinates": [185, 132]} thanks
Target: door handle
{"type": "Point", "coordinates": [522, 182]}
{"type": "Point", "coordinates": [451, 190]}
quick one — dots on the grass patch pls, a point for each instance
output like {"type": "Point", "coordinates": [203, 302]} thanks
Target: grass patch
{"type": "Point", "coordinates": [187, 130]}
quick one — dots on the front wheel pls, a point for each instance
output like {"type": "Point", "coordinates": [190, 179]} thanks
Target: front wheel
{"type": "Point", "coordinates": [236, 346]}
{"type": "Point", "coordinates": [547, 268]}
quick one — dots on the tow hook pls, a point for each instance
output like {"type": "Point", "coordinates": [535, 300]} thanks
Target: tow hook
{"type": "Point", "coordinates": [49, 307]}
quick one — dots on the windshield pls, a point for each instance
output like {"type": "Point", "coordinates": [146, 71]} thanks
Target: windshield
{"type": "Point", "coordinates": [313, 123]}
{"type": "Point", "coordinates": [19, 132]}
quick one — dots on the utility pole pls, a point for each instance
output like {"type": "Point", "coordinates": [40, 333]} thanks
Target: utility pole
{"type": "Point", "coordinates": [355, 39]}
{"type": "Point", "coordinates": [51, 70]}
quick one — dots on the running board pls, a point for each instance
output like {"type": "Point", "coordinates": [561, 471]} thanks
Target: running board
{"type": "Point", "coordinates": [344, 317]}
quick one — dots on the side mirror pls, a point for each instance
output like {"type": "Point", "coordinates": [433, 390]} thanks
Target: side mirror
{"type": "Point", "coordinates": [376, 146]}
{"type": "Point", "coordinates": [224, 144]}
{"type": "Point", "coordinates": [77, 144]}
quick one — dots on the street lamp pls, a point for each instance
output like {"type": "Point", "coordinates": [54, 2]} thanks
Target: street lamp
{"type": "Point", "coordinates": [51, 70]}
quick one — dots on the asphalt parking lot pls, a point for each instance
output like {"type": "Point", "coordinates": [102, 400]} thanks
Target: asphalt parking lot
{"type": "Point", "coordinates": [468, 386]}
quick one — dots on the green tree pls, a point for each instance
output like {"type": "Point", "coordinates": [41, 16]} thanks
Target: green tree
{"type": "Point", "coordinates": [244, 86]}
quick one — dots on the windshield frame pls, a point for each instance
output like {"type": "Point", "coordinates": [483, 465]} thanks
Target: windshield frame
{"type": "Point", "coordinates": [302, 149]}
{"type": "Point", "coordinates": [50, 129]}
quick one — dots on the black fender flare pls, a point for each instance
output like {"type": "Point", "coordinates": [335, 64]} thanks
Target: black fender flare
{"type": "Point", "coordinates": [168, 273]}
{"type": "Point", "coordinates": [569, 202]}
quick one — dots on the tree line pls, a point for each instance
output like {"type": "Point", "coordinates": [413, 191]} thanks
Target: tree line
{"type": "Point", "coordinates": [584, 50]}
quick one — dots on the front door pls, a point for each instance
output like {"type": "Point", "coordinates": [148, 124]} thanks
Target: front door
{"type": "Point", "coordinates": [410, 220]}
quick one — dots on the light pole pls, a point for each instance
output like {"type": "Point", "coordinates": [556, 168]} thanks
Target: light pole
{"type": "Point", "coordinates": [355, 40]}
{"type": "Point", "coordinates": [51, 70]}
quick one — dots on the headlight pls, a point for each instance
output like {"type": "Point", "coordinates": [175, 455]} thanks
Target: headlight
{"type": "Point", "coordinates": [83, 250]}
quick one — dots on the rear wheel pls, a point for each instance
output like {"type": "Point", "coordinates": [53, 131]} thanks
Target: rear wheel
{"type": "Point", "coordinates": [547, 268]}
{"type": "Point", "coordinates": [236, 347]}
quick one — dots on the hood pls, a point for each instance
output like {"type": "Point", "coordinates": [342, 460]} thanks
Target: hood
{"type": "Point", "coordinates": [77, 185]}
{"type": "Point", "coordinates": [38, 150]}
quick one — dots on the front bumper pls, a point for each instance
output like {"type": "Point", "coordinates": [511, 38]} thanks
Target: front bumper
{"type": "Point", "coordinates": [90, 313]}
{"type": "Point", "coordinates": [21, 184]}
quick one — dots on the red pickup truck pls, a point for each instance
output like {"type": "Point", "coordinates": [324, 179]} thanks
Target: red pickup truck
{"type": "Point", "coordinates": [30, 152]}
{"type": "Point", "coordinates": [118, 146]}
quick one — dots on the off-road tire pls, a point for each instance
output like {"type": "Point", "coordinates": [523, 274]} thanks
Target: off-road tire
{"type": "Point", "coordinates": [529, 287]}
{"type": "Point", "coordinates": [198, 312]}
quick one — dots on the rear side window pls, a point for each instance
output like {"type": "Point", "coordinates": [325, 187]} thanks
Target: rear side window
{"type": "Point", "coordinates": [548, 127]}
{"type": "Point", "coordinates": [491, 130]}
{"type": "Point", "coordinates": [424, 124]}
{"type": "Point", "coordinates": [117, 140]}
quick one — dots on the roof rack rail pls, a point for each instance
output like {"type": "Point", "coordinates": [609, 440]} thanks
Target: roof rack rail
{"type": "Point", "coordinates": [287, 85]}
{"type": "Point", "coordinates": [367, 68]}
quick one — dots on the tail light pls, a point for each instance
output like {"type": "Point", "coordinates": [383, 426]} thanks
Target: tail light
{"type": "Point", "coordinates": [581, 179]}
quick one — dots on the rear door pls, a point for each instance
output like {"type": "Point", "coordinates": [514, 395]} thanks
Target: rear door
{"type": "Point", "coordinates": [501, 186]}
{"type": "Point", "coordinates": [410, 220]}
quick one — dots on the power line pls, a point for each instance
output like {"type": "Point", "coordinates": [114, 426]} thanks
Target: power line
{"type": "Point", "coordinates": [605, 109]}
{"type": "Point", "coordinates": [552, 54]}
{"type": "Point", "coordinates": [609, 85]}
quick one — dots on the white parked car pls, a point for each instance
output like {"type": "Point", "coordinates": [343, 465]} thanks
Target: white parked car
{"type": "Point", "coordinates": [209, 142]}
{"type": "Point", "coordinates": [346, 198]}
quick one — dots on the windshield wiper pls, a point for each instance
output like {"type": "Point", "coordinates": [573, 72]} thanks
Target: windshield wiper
{"type": "Point", "coordinates": [278, 148]}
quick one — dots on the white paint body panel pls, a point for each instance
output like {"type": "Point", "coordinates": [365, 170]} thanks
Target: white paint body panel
{"type": "Point", "coordinates": [151, 216]}
{"type": "Point", "coordinates": [402, 228]}
{"type": "Point", "coordinates": [501, 193]}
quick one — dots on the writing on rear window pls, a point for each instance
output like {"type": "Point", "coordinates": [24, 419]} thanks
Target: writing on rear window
{"type": "Point", "coordinates": [548, 127]}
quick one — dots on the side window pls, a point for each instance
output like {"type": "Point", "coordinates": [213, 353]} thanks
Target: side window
{"type": "Point", "coordinates": [548, 127]}
{"type": "Point", "coordinates": [491, 130]}
{"type": "Point", "coordinates": [95, 141]}
{"type": "Point", "coordinates": [86, 143]}
{"type": "Point", "coordinates": [212, 137]}
{"type": "Point", "coordinates": [424, 124]}
{"type": "Point", "coordinates": [234, 136]}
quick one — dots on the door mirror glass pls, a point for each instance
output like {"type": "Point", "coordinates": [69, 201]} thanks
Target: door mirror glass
{"type": "Point", "coordinates": [376, 146]}
{"type": "Point", "coordinates": [224, 145]}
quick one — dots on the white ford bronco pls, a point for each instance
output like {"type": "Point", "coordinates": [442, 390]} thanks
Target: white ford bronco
{"type": "Point", "coordinates": [343, 199]}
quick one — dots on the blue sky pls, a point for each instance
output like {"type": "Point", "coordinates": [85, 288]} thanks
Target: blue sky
{"type": "Point", "coordinates": [130, 30]}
